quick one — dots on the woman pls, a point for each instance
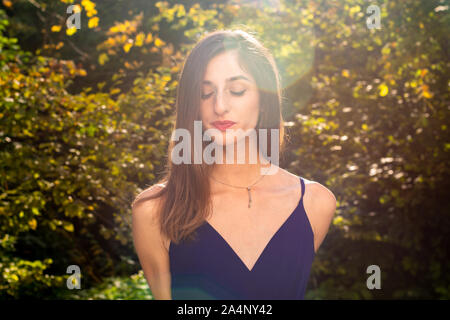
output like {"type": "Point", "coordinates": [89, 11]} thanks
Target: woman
{"type": "Point", "coordinates": [229, 230]}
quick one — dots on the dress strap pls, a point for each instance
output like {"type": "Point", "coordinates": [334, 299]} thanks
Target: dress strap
{"type": "Point", "coordinates": [303, 186]}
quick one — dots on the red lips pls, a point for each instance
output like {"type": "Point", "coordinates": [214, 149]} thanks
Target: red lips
{"type": "Point", "coordinates": [223, 125]}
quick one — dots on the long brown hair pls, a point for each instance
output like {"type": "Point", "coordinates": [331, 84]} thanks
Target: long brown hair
{"type": "Point", "coordinates": [185, 198]}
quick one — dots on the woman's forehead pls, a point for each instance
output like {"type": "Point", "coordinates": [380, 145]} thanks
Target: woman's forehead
{"type": "Point", "coordinates": [230, 79]}
{"type": "Point", "coordinates": [225, 68]}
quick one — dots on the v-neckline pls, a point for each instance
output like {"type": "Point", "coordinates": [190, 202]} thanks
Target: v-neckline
{"type": "Point", "coordinates": [226, 243]}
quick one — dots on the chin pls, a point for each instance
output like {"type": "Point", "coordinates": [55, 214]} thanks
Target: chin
{"type": "Point", "coordinates": [220, 137]}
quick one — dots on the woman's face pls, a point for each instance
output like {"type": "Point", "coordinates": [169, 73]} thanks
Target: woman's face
{"type": "Point", "coordinates": [229, 98]}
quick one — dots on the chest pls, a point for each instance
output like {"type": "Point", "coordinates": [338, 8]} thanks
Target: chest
{"type": "Point", "coordinates": [248, 231]}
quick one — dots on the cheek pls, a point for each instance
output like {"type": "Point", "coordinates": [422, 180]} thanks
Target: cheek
{"type": "Point", "coordinates": [254, 100]}
{"type": "Point", "coordinates": [252, 107]}
{"type": "Point", "coordinates": [204, 112]}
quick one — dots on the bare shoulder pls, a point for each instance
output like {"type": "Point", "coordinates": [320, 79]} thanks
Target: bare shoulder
{"type": "Point", "coordinates": [320, 206]}
{"type": "Point", "coordinates": [141, 206]}
{"type": "Point", "coordinates": [319, 193]}
{"type": "Point", "coordinates": [145, 213]}
{"type": "Point", "coordinates": [313, 190]}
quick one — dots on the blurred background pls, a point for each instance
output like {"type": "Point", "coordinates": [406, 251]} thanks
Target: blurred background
{"type": "Point", "coordinates": [86, 114]}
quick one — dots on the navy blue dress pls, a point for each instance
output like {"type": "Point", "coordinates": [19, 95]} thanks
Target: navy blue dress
{"type": "Point", "coordinates": [208, 268]}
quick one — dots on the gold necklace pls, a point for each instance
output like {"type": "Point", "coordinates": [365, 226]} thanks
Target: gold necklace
{"type": "Point", "coordinates": [248, 187]}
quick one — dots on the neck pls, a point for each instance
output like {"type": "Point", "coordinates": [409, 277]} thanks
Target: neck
{"type": "Point", "coordinates": [241, 174]}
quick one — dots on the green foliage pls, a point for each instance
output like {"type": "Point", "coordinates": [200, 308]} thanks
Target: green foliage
{"type": "Point", "coordinates": [67, 169]}
{"type": "Point", "coordinates": [134, 287]}
{"type": "Point", "coordinates": [21, 278]}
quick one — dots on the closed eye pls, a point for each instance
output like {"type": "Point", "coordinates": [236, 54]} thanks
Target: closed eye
{"type": "Point", "coordinates": [206, 96]}
{"type": "Point", "coordinates": [238, 93]}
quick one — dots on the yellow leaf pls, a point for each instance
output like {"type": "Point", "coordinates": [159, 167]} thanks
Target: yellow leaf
{"type": "Point", "coordinates": [423, 72]}
{"type": "Point", "coordinates": [114, 29]}
{"type": "Point", "coordinates": [127, 46]}
{"type": "Point", "coordinates": [16, 84]}
{"type": "Point", "coordinates": [103, 58]}
{"type": "Point", "coordinates": [76, 8]}
{"type": "Point", "coordinates": [149, 38]}
{"type": "Point", "coordinates": [338, 220]}
{"type": "Point", "coordinates": [383, 90]}
{"type": "Point", "coordinates": [426, 94]}
{"type": "Point", "coordinates": [88, 5]}
{"type": "Point", "coordinates": [69, 227]}
{"type": "Point", "coordinates": [111, 42]}
{"type": "Point", "coordinates": [32, 223]}
{"type": "Point", "coordinates": [345, 73]}
{"type": "Point", "coordinates": [159, 42]}
{"type": "Point", "coordinates": [71, 31]}
{"type": "Point", "coordinates": [93, 22]}
{"type": "Point", "coordinates": [56, 28]}
{"type": "Point", "coordinates": [354, 10]}
{"type": "Point", "coordinates": [91, 13]}
{"type": "Point", "coordinates": [139, 39]}
{"type": "Point", "coordinates": [7, 3]}
{"type": "Point", "coordinates": [181, 11]}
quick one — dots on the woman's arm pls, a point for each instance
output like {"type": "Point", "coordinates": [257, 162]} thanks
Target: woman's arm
{"type": "Point", "coordinates": [320, 206]}
{"type": "Point", "coordinates": [149, 246]}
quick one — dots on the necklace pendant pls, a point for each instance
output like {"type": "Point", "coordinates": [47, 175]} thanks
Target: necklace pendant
{"type": "Point", "coordinates": [249, 197]}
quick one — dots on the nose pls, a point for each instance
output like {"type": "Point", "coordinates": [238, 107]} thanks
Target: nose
{"type": "Point", "coordinates": [220, 103]}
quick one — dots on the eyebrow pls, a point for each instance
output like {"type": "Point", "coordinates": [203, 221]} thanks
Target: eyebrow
{"type": "Point", "coordinates": [229, 79]}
